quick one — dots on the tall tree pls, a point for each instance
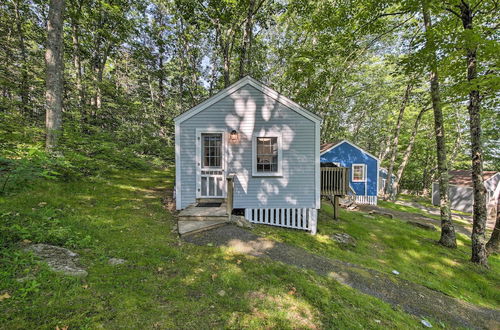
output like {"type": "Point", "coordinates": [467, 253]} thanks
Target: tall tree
{"type": "Point", "coordinates": [24, 84]}
{"type": "Point", "coordinates": [54, 79]}
{"type": "Point", "coordinates": [407, 153]}
{"type": "Point", "coordinates": [448, 238]}
{"type": "Point", "coordinates": [479, 255]}
{"type": "Point", "coordinates": [395, 142]}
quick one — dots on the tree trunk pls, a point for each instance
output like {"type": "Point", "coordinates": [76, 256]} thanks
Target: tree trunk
{"type": "Point", "coordinates": [226, 62]}
{"type": "Point", "coordinates": [24, 86]}
{"type": "Point", "coordinates": [395, 142]}
{"type": "Point", "coordinates": [479, 254]}
{"type": "Point", "coordinates": [54, 79]}
{"type": "Point", "coordinates": [493, 245]}
{"type": "Point", "coordinates": [407, 154]}
{"type": "Point", "coordinates": [385, 150]}
{"type": "Point", "coordinates": [77, 65]}
{"type": "Point", "coordinates": [448, 238]}
{"type": "Point", "coordinates": [247, 37]}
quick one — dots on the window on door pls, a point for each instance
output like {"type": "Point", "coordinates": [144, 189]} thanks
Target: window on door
{"type": "Point", "coordinates": [212, 150]}
{"type": "Point", "coordinates": [267, 156]}
{"type": "Point", "coordinates": [358, 172]}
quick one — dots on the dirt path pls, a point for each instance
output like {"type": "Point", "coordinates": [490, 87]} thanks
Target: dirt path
{"type": "Point", "coordinates": [414, 217]}
{"type": "Point", "coordinates": [412, 298]}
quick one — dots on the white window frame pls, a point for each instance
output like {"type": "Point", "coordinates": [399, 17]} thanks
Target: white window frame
{"type": "Point", "coordinates": [364, 172]}
{"type": "Point", "coordinates": [278, 173]}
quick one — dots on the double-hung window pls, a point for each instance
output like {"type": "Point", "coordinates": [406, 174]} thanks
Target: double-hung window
{"type": "Point", "coordinates": [266, 155]}
{"type": "Point", "coordinates": [358, 172]}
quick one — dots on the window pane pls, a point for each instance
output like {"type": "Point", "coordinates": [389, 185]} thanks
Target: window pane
{"type": "Point", "coordinates": [212, 150]}
{"type": "Point", "coordinates": [267, 154]}
{"type": "Point", "coordinates": [358, 173]}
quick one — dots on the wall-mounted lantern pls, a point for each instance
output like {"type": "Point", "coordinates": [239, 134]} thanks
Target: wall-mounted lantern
{"type": "Point", "coordinates": [234, 136]}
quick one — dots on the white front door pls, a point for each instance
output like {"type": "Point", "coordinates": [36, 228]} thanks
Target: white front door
{"type": "Point", "coordinates": [210, 165]}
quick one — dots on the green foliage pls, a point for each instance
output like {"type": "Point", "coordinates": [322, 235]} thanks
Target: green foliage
{"type": "Point", "coordinates": [20, 167]}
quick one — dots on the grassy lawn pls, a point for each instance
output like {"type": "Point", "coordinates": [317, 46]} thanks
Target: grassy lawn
{"type": "Point", "coordinates": [425, 201]}
{"type": "Point", "coordinates": [410, 209]}
{"type": "Point", "coordinates": [166, 283]}
{"type": "Point", "coordinates": [389, 244]}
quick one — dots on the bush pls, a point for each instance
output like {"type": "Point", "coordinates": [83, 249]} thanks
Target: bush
{"type": "Point", "coordinates": [21, 166]}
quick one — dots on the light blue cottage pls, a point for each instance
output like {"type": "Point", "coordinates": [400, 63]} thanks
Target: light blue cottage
{"type": "Point", "coordinates": [266, 142]}
{"type": "Point", "coordinates": [363, 168]}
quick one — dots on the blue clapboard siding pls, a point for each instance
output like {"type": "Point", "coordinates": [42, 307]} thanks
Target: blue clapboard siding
{"type": "Point", "coordinates": [251, 113]}
{"type": "Point", "coordinates": [346, 155]}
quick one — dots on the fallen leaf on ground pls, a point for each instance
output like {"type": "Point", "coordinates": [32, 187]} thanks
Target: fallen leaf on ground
{"type": "Point", "coordinates": [214, 276]}
{"type": "Point", "coordinates": [292, 290]}
{"type": "Point", "coordinates": [4, 296]}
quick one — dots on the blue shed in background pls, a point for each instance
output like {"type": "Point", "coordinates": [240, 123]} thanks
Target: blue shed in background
{"type": "Point", "coordinates": [382, 177]}
{"type": "Point", "coordinates": [363, 168]}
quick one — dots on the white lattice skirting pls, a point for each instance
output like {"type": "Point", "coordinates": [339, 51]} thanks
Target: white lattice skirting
{"type": "Point", "coordinates": [304, 218]}
{"type": "Point", "coordinates": [372, 200]}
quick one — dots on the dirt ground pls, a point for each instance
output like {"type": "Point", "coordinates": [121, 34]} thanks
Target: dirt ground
{"type": "Point", "coordinates": [412, 298]}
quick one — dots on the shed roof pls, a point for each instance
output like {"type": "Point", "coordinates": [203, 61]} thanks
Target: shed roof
{"type": "Point", "coordinates": [464, 177]}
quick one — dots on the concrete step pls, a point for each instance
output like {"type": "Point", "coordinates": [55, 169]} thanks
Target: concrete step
{"type": "Point", "coordinates": [210, 200]}
{"type": "Point", "coordinates": [193, 213]}
{"type": "Point", "coordinates": [203, 218]}
{"type": "Point", "coordinates": [193, 227]}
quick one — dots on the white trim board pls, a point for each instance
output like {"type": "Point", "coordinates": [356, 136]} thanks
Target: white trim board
{"type": "Point", "coordinates": [259, 86]}
{"type": "Point", "coordinates": [317, 163]}
{"type": "Point", "coordinates": [178, 189]}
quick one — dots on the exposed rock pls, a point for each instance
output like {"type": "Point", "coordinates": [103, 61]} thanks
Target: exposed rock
{"type": "Point", "coordinates": [384, 214]}
{"type": "Point", "coordinates": [426, 323]}
{"type": "Point", "coordinates": [395, 272]}
{"type": "Point", "coordinates": [58, 259]}
{"type": "Point", "coordinates": [344, 238]}
{"type": "Point", "coordinates": [240, 221]}
{"type": "Point", "coordinates": [116, 261]}
{"type": "Point", "coordinates": [425, 226]}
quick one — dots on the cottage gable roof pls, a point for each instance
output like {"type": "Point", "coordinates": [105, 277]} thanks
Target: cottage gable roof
{"type": "Point", "coordinates": [247, 80]}
{"type": "Point", "coordinates": [325, 147]}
